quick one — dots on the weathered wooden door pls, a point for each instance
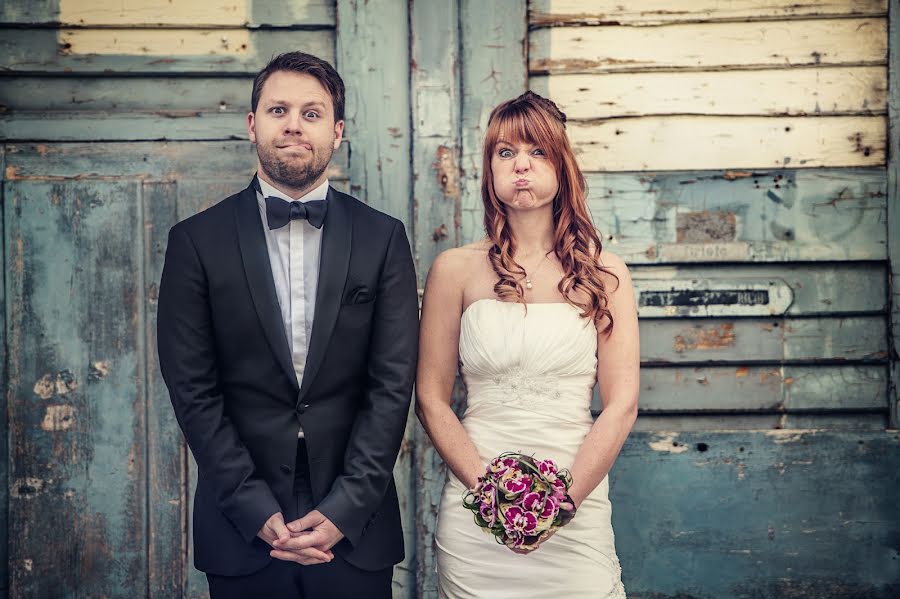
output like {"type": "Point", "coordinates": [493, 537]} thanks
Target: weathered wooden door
{"type": "Point", "coordinates": [739, 158]}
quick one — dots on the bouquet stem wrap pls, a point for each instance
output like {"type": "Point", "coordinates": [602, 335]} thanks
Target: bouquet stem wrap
{"type": "Point", "coordinates": [521, 500]}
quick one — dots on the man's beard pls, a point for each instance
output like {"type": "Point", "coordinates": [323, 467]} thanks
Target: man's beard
{"type": "Point", "coordinates": [293, 174]}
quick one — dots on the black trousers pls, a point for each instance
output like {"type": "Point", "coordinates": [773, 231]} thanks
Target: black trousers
{"type": "Point", "coordinates": [289, 580]}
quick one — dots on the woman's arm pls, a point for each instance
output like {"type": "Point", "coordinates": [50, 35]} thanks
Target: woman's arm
{"type": "Point", "coordinates": [438, 360]}
{"type": "Point", "coordinates": [618, 373]}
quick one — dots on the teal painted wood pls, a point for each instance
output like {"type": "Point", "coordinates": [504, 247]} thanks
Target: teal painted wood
{"type": "Point", "coordinates": [372, 50]}
{"type": "Point", "coordinates": [76, 389]}
{"type": "Point", "coordinates": [123, 95]}
{"type": "Point", "coordinates": [742, 216]}
{"type": "Point", "coordinates": [860, 388]}
{"type": "Point", "coordinates": [817, 288]}
{"type": "Point", "coordinates": [893, 216]}
{"type": "Point", "coordinates": [102, 126]}
{"type": "Point", "coordinates": [758, 515]}
{"type": "Point", "coordinates": [167, 506]}
{"type": "Point", "coordinates": [161, 161]}
{"type": "Point", "coordinates": [743, 421]}
{"type": "Point", "coordinates": [435, 89]}
{"type": "Point", "coordinates": [38, 51]}
{"type": "Point", "coordinates": [4, 420]}
{"type": "Point", "coordinates": [493, 44]}
{"type": "Point", "coordinates": [754, 341]}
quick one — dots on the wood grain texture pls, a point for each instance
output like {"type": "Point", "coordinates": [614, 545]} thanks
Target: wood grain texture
{"type": "Point", "coordinates": [719, 142]}
{"type": "Point", "coordinates": [150, 13]}
{"type": "Point", "coordinates": [373, 59]}
{"type": "Point", "coordinates": [893, 215]}
{"type": "Point", "coordinates": [771, 92]}
{"type": "Point", "coordinates": [551, 13]}
{"type": "Point", "coordinates": [762, 509]}
{"type": "Point", "coordinates": [741, 216]}
{"type": "Point", "coordinates": [709, 46]}
{"type": "Point", "coordinates": [44, 51]}
{"type": "Point", "coordinates": [77, 389]}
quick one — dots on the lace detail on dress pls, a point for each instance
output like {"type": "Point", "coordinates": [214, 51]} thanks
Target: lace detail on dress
{"type": "Point", "coordinates": [523, 390]}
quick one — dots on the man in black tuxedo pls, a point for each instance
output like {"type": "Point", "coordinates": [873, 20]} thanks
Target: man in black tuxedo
{"type": "Point", "coordinates": [287, 331]}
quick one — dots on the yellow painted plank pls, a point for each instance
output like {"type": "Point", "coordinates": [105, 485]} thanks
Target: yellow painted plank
{"type": "Point", "coordinates": [153, 12]}
{"type": "Point", "coordinates": [718, 142]}
{"type": "Point", "coordinates": [164, 42]}
{"type": "Point", "coordinates": [814, 91]}
{"type": "Point", "coordinates": [756, 44]}
{"type": "Point", "coordinates": [654, 12]}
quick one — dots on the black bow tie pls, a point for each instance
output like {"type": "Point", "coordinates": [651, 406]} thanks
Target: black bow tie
{"type": "Point", "coordinates": [280, 212]}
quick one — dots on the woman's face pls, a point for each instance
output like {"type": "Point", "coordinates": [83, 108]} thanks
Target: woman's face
{"type": "Point", "coordinates": [524, 177]}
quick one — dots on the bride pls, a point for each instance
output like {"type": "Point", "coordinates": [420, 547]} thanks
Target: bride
{"type": "Point", "coordinates": [533, 315]}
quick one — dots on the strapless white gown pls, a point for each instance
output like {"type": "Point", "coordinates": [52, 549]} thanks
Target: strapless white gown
{"type": "Point", "coordinates": [529, 379]}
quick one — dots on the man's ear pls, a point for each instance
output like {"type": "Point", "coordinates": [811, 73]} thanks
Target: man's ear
{"type": "Point", "coordinates": [338, 134]}
{"type": "Point", "coordinates": [251, 127]}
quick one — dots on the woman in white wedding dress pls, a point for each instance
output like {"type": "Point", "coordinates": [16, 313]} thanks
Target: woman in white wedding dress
{"type": "Point", "coordinates": [533, 315]}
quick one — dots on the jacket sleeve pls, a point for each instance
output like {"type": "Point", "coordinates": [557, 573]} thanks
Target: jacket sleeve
{"type": "Point", "coordinates": [379, 426]}
{"type": "Point", "coordinates": [187, 357]}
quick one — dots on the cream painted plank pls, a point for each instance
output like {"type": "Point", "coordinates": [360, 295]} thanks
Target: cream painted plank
{"type": "Point", "coordinates": [153, 12]}
{"type": "Point", "coordinates": [709, 45]}
{"type": "Point", "coordinates": [181, 42]}
{"type": "Point", "coordinates": [717, 142]}
{"type": "Point", "coordinates": [181, 13]}
{"type": "Point", "coordinates": [817, 91]}
{"type": "Point", "coordinates": [544, 13]}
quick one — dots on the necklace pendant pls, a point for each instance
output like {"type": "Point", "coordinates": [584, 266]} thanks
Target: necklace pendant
{"type": "Point", "coordinates": [528, 284]}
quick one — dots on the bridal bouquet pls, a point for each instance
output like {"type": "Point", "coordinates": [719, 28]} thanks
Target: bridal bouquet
{"type": "Point", "coordinates": [521, 500]}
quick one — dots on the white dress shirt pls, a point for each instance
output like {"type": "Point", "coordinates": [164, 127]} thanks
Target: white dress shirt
{"type": "Point", "coordinates": [294, 256]}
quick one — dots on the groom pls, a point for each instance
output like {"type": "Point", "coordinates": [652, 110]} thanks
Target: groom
{"type": "Point", "coordinates": [287, 332]}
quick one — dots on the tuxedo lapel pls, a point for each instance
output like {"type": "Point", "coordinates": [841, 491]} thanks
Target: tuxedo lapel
{"type": "Point", "coordinates": [258, 270]}
{"type": "Point", "coordinates": [334, 261]}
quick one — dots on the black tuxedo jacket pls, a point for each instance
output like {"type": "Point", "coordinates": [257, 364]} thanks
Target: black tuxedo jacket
{"type": "Point", "coordinates": [225, 359]}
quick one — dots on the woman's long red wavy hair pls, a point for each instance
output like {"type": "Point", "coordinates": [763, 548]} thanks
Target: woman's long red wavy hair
{"type": "Point", "coordinates": [533, 119]}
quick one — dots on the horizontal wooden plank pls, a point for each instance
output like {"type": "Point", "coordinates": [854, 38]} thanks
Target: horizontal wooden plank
{"type": "Point", "coordinates": [166, 161]}
{"type": "Point", "coordinates": [554, 13]}
{"type": "Point", "coordinates": [741, 216]}
{"type": "Point", "coordinates": [771, 92]}
{"type": "Point", "coordinates": [815, 288]}
{"type": "Point", "coordinates": [763, 340]}
{"type": "Point", "coordinates": [763, 388]}
{"type": "Point", "coordinates": [133, 94]}
{"type": "Point", "coordinates": [709, 46]}
{"type": "Point", "coordinates": [122, 126]}
{"type": "Point", "coordinates": [154, 51]}
{"type": "Point", "coordinates": [841, 421]}
{"type": "Point", "coordinates": [720, 142]}
{"type": "Point", "coordinates": [184, 13]}
{"type": "Point", "coordinates": [774, 514]}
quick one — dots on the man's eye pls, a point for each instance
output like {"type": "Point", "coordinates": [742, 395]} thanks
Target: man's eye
{"type": "Point", "coordinates": [278, 110]}
{"type": "Point", "coordinates": [312, 114]}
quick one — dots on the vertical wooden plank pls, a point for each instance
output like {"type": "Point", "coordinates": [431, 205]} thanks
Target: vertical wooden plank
{"type": "Point", "coordinates": [372, 53]}
{"type": "Point", "coordinates": [436, 203]}
{"type": "Point", "coordinates": [76, 389]}
{"type": "Point", "coordinates": [167, 516]}
{"type": "Point", "coordinates": [4, 421]}
{"type": "Point", "coordinates": [493, 38]}
{"type": "Point", "coordinates": [893, 205]}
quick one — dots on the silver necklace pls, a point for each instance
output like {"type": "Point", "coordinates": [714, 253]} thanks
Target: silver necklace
{"type": "Point", "coordinates": [528, 282]}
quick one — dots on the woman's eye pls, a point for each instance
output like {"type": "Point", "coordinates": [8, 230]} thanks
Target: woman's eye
{"type": "Point", "coordinates": [538, 152]}
{"type": "Point", "coordinates": [505, 153]}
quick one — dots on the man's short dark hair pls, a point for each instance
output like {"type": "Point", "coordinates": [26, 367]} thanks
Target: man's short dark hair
{"type": "Point", "coordinates": [300, 62]}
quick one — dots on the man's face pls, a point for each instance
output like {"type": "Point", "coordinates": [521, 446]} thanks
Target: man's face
{"type": "Point", "coordinates": [294, 130]}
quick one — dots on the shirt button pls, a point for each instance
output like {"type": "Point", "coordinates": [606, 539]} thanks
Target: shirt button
{"type": "Point", "coordinates": [285, 468]}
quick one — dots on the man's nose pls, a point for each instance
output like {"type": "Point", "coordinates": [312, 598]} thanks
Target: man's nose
{"type": "Point", "coordinates": [293, 123]}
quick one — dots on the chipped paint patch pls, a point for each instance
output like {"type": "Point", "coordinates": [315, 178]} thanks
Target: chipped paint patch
{"type": "Point", "coordinates": [27, 488]}
{"type": "Point", "coordinates": [28, 564]}
{"type": "Point", "coordinates": [782, 436]}
{"type": "Point", "coordinates": [666, 443]}
{"type": "Point", "coordinates": [60, 383]}
{"type": "Point", "coordinates": [699, 338]}
{"type": "Point", "coordinates": [447, 172]}
{"type": "Point", "coordinates": [98, 370]}
{"type": "Point", "coordinates": [58, 418]}
{"type": "Point", "coordinates": [705, 226]}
